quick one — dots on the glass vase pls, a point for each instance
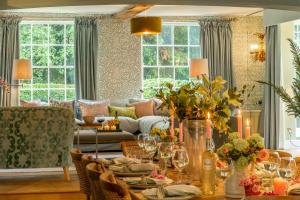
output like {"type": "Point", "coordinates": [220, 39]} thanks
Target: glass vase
{"type": "Point", "coordinates": [233, 188]}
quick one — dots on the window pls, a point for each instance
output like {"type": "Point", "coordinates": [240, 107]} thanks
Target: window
{"type": "Point", "coordinates": [166, 56]}
{"type": "Point", "coordinates": [50, 47]}
{"type": "Point", "coordinates": [297, 39]}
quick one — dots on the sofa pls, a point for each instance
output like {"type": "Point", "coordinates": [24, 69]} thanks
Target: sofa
{"type": "Point", "coordinates": [36, 137]}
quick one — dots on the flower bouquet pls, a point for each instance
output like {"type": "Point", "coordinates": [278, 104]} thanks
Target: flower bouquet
{"type": "Point", "coordinates": [252, 185]}
{"type": "Point", "coordinates": [164, 134]}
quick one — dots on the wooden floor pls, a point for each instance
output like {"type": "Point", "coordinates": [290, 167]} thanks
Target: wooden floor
{"type": "Point", "coordinates": [39, 186]}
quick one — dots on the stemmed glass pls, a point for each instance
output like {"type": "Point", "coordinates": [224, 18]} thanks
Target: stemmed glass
{"type": "Point", "coordinates": [141, 139]}
{"type": "Point", "coordinates": [150, 146]}
{"type": "Point", "coordinates": [223, 169]}
{"type": "Point", "coordinates": [287, 168]}
{"type": "Point", "coordinates": [180, 160]}
{"type": "Point", "coordinates": [271, 167]}
{"type": "Point", "coordinates": [165, 153]}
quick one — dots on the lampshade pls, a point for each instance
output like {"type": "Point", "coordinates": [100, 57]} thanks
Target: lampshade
{"type": "Point", "coordinates": [22, 69]}
{"type": "Point", "coordinates": [145, 25]}
{"type": "Point", "coordinates": [198, 67]}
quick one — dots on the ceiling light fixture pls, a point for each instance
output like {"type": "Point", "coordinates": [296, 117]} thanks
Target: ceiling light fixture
{"type": "Point", "coordinates": [146, 25]}
{"type": "Point", "coordinates": [257, 51]}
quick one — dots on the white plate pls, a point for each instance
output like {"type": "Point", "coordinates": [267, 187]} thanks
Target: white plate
{"type": "Point", "coordinates": [171, 198]}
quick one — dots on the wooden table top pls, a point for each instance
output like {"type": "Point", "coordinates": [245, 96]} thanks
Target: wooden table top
{"type": "Point", "coordinates": [128, 147]}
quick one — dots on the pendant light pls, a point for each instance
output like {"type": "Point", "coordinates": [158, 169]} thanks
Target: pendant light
{"type": "Point", "coordinates": [146, 25]}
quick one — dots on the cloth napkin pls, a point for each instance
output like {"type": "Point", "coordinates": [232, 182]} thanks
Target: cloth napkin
{"type": "Point", "coordinates": [294, 189]}
{"type": "Point", "coordinates": [149, 180]}
{"type": "Point", "coordinates": [122, 169]}
{"type": "Point", "coordinates": [175, 190]}
{"type": "Point", "coordinates": [104, 161]}
{"type": "Point", "coordinates": [141, 167]}
{"type": "Point", "coordinates": [122, 160]}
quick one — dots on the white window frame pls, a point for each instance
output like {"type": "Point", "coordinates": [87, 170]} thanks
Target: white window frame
{"type": "Point", "coordinates": [188, 24]}
{"type": "Point", "coordinates": [49, 66]}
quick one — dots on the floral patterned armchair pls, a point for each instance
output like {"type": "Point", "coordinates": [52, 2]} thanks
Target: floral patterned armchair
{"type": "Point", "coordinates": [36, 137]}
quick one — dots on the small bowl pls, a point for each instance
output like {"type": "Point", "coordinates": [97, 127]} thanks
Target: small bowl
{"type": "Point", "coordinates": [89, 120]}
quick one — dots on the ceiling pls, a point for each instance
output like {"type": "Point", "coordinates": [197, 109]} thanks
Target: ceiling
{"type": "Point", "coordinates": [157, 10]}
{"type": "Point", "coordinates": [267, 4]}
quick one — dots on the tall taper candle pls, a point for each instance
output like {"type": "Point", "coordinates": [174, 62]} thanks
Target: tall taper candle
{"type": "Point", "coordinates": [180, 132]}
{"type": "Point", "coordinates": [171, 123]}
{"type": "Point", "coordinates": [240, 123]}
{"type": "Point", "coordinates": [247, 130]}
{"type": "Point", "coordinates": [208, 126]}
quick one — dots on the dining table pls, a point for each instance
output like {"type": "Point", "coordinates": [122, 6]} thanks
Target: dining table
{"type": "Point", "coordinates": [129, 147]}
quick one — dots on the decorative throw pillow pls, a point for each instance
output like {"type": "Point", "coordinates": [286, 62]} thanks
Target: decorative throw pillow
{"type": "Point", "coordinates": [157, 109]}
{"type": "Point", "coordinates": [122, 111]}
{"type": "Point", "coordinates": [62, 104]}
{"type": "Point", "coordinates": [143, 108]}
{"type": "Point", "coordinates": [94, 108]}
{"type": "Point", "coordinates": [35, 103]}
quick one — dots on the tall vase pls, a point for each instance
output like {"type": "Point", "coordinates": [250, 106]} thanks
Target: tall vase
{"type": "Point", "coordinates": [194, 142]}
{"type": "Point", "coordinates": [233, 189]}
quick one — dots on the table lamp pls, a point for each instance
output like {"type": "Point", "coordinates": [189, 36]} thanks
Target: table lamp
{"type": "Point", "coordinates": [198, 67]}
{"type": "Point", "coordinates": [22, 70]}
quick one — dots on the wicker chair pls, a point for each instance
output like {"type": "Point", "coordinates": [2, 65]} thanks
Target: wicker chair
{"type": "Point", "coordinates": [94, 171]}
{"type": "Point", "coordinates": [114, 189]}
{"type": "Point", "coordinates": [297, 159]}
{"type": "Point", "coordinates": [284, 153]}
{"type": "Point", "coordinates": [81, 172]}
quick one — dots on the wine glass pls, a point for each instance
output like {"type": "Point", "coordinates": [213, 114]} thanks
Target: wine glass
{"type": "Point", "coordinates": [223, 169]}
{"type": "Point", "coordinates": [141, 139]}
{"type": "Point", "coordinates": [270, 168]}
{"type": "Point", "coordinates": [180, 160]}
{"type": "Point", "coordinates": [287, 168]}
{"type": "Point", "coordinates": [150, 146]}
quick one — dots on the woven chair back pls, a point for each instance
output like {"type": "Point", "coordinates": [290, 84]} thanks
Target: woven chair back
{"type": "Point", "coordinates": [94, 171]}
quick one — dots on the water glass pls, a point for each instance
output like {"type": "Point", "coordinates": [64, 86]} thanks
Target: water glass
{"type": "Point", "coordinates": [141, 139]}
{"type": "Point", "coordinates": [287, 168]}
{"type": "Point", "coordinates": [180, 160]}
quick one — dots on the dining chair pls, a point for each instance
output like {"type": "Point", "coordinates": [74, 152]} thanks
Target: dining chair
{"type": "Point", "coordinates": [284, 153]}
{"type": "Point", "coordinates": [81, 172]}
{"type": "Point", "coordinates": [114, 189]}
{"type": "Point", "coordinates": [297, 159]}
{"type": "Point", "coordinates": [94, 170]}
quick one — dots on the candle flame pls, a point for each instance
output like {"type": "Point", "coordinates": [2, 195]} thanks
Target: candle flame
{"type": "Point", "coordinates": [239, 111]}
{"type": "Point", "coordinates": [247, 122]}
{"type": "Point", "coordinates": [208, 115]}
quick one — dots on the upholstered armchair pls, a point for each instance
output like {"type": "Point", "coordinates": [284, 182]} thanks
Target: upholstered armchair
{"type": "Point", "coordinates": [36, 137]}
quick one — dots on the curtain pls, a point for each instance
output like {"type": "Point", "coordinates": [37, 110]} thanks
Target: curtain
{"type": "Point", "coordinates": [85, 57]}
{"type": "Point", "coordinates": [216, 46]}
{"type": "Point", "coordinates": [269, 125]}
{"type": "Point", "coordinates": [9, 51]}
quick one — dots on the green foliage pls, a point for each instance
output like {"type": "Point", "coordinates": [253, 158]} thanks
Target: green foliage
{"type": "Point", "coordinates": [195, 100]}
{"type": "Point", "coordinates": [292, 102]}
{"type": "Point", "coordinates": [181, 35]}
{"type": "Point", "coordinates": [149, 56]}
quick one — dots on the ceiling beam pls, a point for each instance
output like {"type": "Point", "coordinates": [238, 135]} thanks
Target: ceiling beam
{"type": "Point", "coordinates": [268, 4]}
{"type": "Point", "coordinates": [132, 11]}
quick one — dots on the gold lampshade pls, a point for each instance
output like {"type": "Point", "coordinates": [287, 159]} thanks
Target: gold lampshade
{"type": "Point", "coordinates": [146, 25]}
{"type": "Point", "coordinates": [22, 69]}
{"type": "Point", "coordinates": [198, 67]}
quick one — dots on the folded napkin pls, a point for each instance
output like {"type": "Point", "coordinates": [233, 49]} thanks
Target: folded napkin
{"type": "Point", "coordinates": [147, 180]}
{"type": "Point", "coordinates": [141, 167]}
{"type": "Point", "coordinates": [122, 160]}
{"type": "Point", "coordinates": [122, 169]}
{"type": "Point", "coordinates": [175, 190]}
{"type": "Point", "coordinates": [104, 161]}
{"type": "Point", "coordinates": [294, 189]}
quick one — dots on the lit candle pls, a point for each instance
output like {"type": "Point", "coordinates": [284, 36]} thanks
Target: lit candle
{"type": "Point", "coordinates": [280, 186]}
{"type": "Point", "coordinates": [180, 132]}
{"type": "Point", "coordinates": [247, 129]}
{"type": "Point", "coordinates": [171, 123]}
{"type": "Point", "coordinates": [208, 126]}
{"type": "Point", "coordinates": [240, 123]}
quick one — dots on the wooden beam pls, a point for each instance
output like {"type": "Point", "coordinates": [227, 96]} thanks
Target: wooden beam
{"type": "Point", "coordinates": [132, 11]}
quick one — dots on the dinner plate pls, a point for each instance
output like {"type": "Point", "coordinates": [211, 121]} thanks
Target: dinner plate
{"type": "Point", "coordinates": [171, 198]}
{"type": "Point", "coordinates": [142, 186]}
{"type": "Point", "coordinates": [132, 174]}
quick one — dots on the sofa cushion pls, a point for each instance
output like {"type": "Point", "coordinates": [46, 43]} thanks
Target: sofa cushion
{"type": "Point", "coordinates": [148, 122]}
{"type": "Point", "coordinates": [157, 110]}
{"type": "Point", "coordinates": [35, 103]}
{"type": "Point", "coordinates": [144, 108]}
{"type": "Point", "coordinates": [122, 111]}
{"type": "Point", "coordinates": [62, 104]}
{"type": "Point", "coordinates": [94, 108]}
{"type": "Point", "coordinates": [89, 137]}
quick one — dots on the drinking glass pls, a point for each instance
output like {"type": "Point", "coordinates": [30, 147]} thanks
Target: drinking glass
{"type": "Point", "coordinates": [141, 139]}
{"type": "Point", "coordinates": [150, 146]}
{"type": "Point", "coordinates": [270, 167]}
{"type": "Point", "coordinates": [287, 168]}
{"type": "Point", "coordinates": [165, 154]}
{"type": "Point", "coordinates": [223, 169]}
{"type": "Point", "coordinates": [180, 160]}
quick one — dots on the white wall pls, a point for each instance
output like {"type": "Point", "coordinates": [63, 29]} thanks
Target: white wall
{"type": "Point", "coordinates": [273, 17]}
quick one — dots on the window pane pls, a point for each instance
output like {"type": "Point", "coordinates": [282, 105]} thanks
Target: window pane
{"type": "Point", "coordinates": [57, 78]}
{"type": "Point", "coordinates": [40, 95]}
{"type": "Point", "coordinates": [149, 56]}
{"type": "Point", "coordinates": [166, 74]}
{"type": "Point", "coordinates": [25, 38]}
{"type": "Point", "coordinates": [71, 94]}
{"type": "Point", "coordinates": [181, 35]}
{"type": "Point", "coordinates": [25, 52]}
{"type": "Point", "coordinates": [40, 78]}
{"type": "Point", "coordinates": [194, 35]}
{"type": "Point", "coordinates": [165, 37]}
{"type": "Point", "coordinates": [57, 94]}
{"type": "Point", "coordinates": [39, 34]}
{"type": "Point", "coordinates": [39, 56]}
{"type": "Point", "coordinates": [26, 84]}
{"type": "Point", "coordinates": [56, 34]}
{"type": "Point", "coordinates": [149, 92]}
{"type": "Point", "coordinates": [149, 39]}
{"type": "Point", "coordinates": [150, 77]}
{"type": "Point", "coordinates": [165, 56]}
{"type": "Point", "coordinates": [194, 52]}
{"type": "Point", "coordinates": [70, 78]}
{"type": "Point", "coordinates": [25, 95]}
{"type": "Point", "coordinates": [181, 55]}
{"type": "Point", "coordinates": [70, 34]}
{"type": "Point", "coordinates": [57, 55]}
{"type": "Point", "coordinates": [70, 56]}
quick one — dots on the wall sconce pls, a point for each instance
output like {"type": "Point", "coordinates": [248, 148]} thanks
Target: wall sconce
{"type": "Point", "coordinates": [257, 51]}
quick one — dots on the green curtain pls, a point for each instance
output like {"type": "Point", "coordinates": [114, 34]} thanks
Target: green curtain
{"type": "Point", "coordinates": [85, 57]}
{"type": "Point", "coordinates": [269, 123]}
{"type": "Point", "coordinates": [216, 46]}
{"type": "Point", "coordinates": [9, 51]}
